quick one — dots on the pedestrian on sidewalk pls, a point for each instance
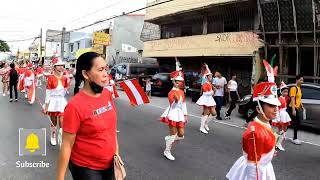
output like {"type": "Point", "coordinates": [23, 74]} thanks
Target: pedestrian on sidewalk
{"type": "Point", "coordinates": [258, 141]}
{"type": "Point", "coordinates": [206, 100]}
{"type": "Point", "coordinates": [13, 82]}
{"type": "Point", "coordinates": [233, 95]}
{"type": "Point", "coordinates": [296, 108]}
{"type": "Point", "coordinates": [282, 121]}
{"type": "Point", "coordinates": [175, 116]}
{"type": "Point", "coordinates": [148, 86]}
{"type": "Point", "coordinates": [89, 129]}
{"type": "Point", "coordinates": [4, 72]}
{"type": "Point", "coordinates": [220, 83]}
{"type": "Point", "coordinates": [55, 101]}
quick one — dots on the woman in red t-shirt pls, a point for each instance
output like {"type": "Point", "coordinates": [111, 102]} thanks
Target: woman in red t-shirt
{"type": "Point", "coordinates": [89, 128]}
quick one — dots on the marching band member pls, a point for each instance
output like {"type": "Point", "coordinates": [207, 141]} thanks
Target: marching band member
{"type": "Point", "coordinates": [55, 101]}
{"type": "Point", "coordinates": [176, 114]}
{"type": "Point", "coordinates": [206, 100]}
{"type": "Point", "coordinates": [258, 141]}
{"type": "Point", "coordinates": [39, 73]}
{"type": "Point", "coordinates": [283, 119]}
{"type": "Point", "coordinates": [28, 81]}
{"type": "Point", "coordinates": [68, 75]}
{"type": "Point", "coordinates": [112, 87]}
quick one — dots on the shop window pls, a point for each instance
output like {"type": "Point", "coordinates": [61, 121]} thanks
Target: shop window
{"type": "Point", "coordinates": [215, 24]}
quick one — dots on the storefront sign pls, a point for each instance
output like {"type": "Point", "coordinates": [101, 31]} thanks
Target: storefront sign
{"type": "Point", "coordinates": [101, 38]}
{"type": "Point", "coordinates": [220, 44]}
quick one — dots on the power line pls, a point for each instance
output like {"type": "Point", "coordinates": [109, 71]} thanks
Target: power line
{"type": "Point", "coordinates": [107, 7]}
{"type": "Point", "coordinates": [20, 40]}
{"type": "Point", "coordinates": [137, 10]}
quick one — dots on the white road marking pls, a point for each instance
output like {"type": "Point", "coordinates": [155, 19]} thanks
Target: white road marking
{"type": "Point", "coordinates": [232, 125]}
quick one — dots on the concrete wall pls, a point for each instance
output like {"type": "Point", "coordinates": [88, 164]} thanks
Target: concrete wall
{"type": "Point", "coordinates": [126, 30]}
{"type": "Point", "coordinates": [178, 6]}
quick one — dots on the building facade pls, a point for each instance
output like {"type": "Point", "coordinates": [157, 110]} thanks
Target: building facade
{"type": "Point", "coordinates": [78, 40]}
{"type": "Point", "coordinates": [216, 32]}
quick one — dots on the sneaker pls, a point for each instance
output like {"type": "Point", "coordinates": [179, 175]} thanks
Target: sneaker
{"type": "Point", "coordinates": [26, 96]}
{"type": "Point", "coordinates": [296, 142]}
{"type": "Point", "coordinates": [219, 118]}
{"type": "Point", "coordinates": [16, 100]}
{"type": "Point", "coordinates": [203, 130]}
{"type": "Point", "coordinates": [11, 100]}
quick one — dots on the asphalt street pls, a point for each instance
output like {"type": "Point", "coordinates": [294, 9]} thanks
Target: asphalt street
{"type": "Point", "coordinates": [141, 138]}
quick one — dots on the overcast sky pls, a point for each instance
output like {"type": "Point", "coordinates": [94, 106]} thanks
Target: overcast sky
{"type": "Point", "coordinates": [21, 19]}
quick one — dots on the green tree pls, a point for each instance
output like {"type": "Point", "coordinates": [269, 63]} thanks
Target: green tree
{"type": "Point", "coordinates": [4, 47]}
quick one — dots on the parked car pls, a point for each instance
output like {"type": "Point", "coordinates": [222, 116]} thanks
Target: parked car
{"type": "Point", "coordinates": [310, 100]}
{"type": "Point", "coordinates": [161, 84]}
{"type": "Point", "coordinates": [194, 87]}
{"type": "Point", "coordinates": [133, 70]}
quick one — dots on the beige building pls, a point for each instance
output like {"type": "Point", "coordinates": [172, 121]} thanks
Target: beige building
{"type": "Point", "coordinates": [218, 32]}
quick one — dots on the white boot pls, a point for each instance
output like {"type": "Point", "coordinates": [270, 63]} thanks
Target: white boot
{"type": "Point", "coordinates": [279, 142]}
{"type": "Point", "coordinates": [167, 151]}
{"type": "Point", "coordinates": [53, 136]}
{"type": "Point", "coordinates": [206, 123]}
{"type": "Point", "coordinates": [203, 121]}
{"type": "Point", "coordinates": [26, 95]}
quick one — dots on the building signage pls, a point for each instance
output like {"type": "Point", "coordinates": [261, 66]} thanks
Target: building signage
{"type": "Point", "coordinates": [220, 44]}
{"type": "Point", "coordinates": [101, 38]}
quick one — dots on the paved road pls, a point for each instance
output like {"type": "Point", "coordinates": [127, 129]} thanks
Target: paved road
{"type": "Point", "coordinates": [141, 137]}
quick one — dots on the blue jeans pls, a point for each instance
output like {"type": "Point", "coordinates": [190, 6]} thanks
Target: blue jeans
{"type": "Point", "coordinates": [219, 102]}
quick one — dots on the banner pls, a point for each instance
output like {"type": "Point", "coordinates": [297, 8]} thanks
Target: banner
{"type": "Point", "coordinates": [101, 38]}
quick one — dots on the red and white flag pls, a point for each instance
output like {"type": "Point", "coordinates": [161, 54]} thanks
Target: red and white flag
{"type": "Point", "coordinates": [134, 91]}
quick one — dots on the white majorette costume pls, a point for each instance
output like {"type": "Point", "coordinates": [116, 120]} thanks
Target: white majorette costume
{"type": "Point", "coordinates": [39, 74]}
{"type": "Point", "coordinates": [112, 87]}
{"type": "Point", "coordinates": [283, 119]}
{"type": "Point", "coordinates": [206, 100]}
{"type": "Point", "coordinates": [55, 98]}
{"type": "Point", "coordinates": [175, 114]}
{"type": "Point", "coordinates": [29, 82]}
{"type": "Point", "coordinates": [258, 141]}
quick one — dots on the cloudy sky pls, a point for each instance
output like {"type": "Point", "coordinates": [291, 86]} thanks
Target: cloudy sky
{"type": "Point", "coordinates": [22, 19]}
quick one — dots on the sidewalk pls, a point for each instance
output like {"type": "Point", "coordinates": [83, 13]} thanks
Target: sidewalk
{"type": "Point", "coordinates": [236, 120]}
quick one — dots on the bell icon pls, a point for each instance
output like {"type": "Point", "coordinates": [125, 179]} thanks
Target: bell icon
{"type": "Point", "coordinates": [32, 143]}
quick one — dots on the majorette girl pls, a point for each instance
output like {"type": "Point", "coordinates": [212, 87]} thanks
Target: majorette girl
{"type": "Point", "coordinates": [55, 101]}
{"type": "Point", "coordinates": [206, 100]}
{"type": "Point", "coordinates": [29, 83]}
{"type": "Point", "coordinates": [176, 114]}
{"type": "Point", "coordinates": [258, 141]}
{"type": "Point", "coordinates": [282, 121]}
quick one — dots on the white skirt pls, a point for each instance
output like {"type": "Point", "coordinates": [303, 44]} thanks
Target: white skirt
{"type": "Point", "coordinates": [205, 100]}
{"type": "Point", "coordinates": [57, 104]}
{"type": "Point", "coordinates": [244, 170]}
{"type": "Point", "coordinates": [282, 116]}
{"type": "Point", "coordinates": [174, 114]}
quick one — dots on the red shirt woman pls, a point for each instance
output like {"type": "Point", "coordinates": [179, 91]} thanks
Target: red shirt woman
{"type": "Point", "coordinates": [89, 128]}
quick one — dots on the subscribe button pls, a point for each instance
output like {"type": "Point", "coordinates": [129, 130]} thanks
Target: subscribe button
{"type": "Point", "coordinates": [32, 142]}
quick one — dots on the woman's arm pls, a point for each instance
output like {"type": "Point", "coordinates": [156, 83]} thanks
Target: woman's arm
{"type": "Point", "coordinates": [65, 152]}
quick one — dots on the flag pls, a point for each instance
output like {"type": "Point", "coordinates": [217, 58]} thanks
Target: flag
{"type": "Point", "coordinates": [134, 91]}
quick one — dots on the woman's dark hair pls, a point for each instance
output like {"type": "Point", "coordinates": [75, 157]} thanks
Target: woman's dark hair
{"type": "Point", "coordinates": [233, 74]}
{"type": "Point", "coordinates": [299, 77]}
{"type": "Point", "coordinates": [84, 62]}
{"type": "Point", "coordinates": [12, 65]}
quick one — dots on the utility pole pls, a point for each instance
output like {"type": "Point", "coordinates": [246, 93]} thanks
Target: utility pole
{"type": "Point", "coordinates": [40, 48]}
{"type": "Point", "coordinates": [62, 42]}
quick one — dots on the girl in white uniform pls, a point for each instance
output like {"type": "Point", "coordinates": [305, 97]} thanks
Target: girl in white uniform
{"type": "Point", "coordinates": [206, 100]}
{"type": "Point", "coordinates": [55, 99]}
{"type": "Point", "coordinates": [175, 116]}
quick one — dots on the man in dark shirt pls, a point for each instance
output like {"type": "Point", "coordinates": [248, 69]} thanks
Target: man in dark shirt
{"type": "Point", "coordinates": [13, 82]}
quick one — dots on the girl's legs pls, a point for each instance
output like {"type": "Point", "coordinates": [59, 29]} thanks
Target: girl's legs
{"type": "Point", "coordinates": [53, 132]}
{"type": "Point", "coordinates": [213, 113]}
{"type": "Point", "coordinates": [60, 120]}
{"type": "Point", "coordinates": [169, 141]}
{"type": "Point", "coordinates": [204, 118]}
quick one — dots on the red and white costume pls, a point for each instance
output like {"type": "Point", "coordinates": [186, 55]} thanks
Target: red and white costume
{"type": "Point", "coordinates": [283, 119]}
{"type": "Point", "coordinates": [264, 144]}
{"type": "Point", "coordinates": [207, 96]}
{"type": "Point", "coordinates": [55, 95]}
{"type": "Point", "coordinates": [29, 83]}
{"type": "Point", "coordinates": [21, 72]}
{"type": "Point", "coordinates": [175, 114]}
{"type": "Point", "coordinates": [112, 87]}
{"type": "Point", "coordinates": [206, 100]}
{"type": "Point", "coordinates": [258, 142]}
